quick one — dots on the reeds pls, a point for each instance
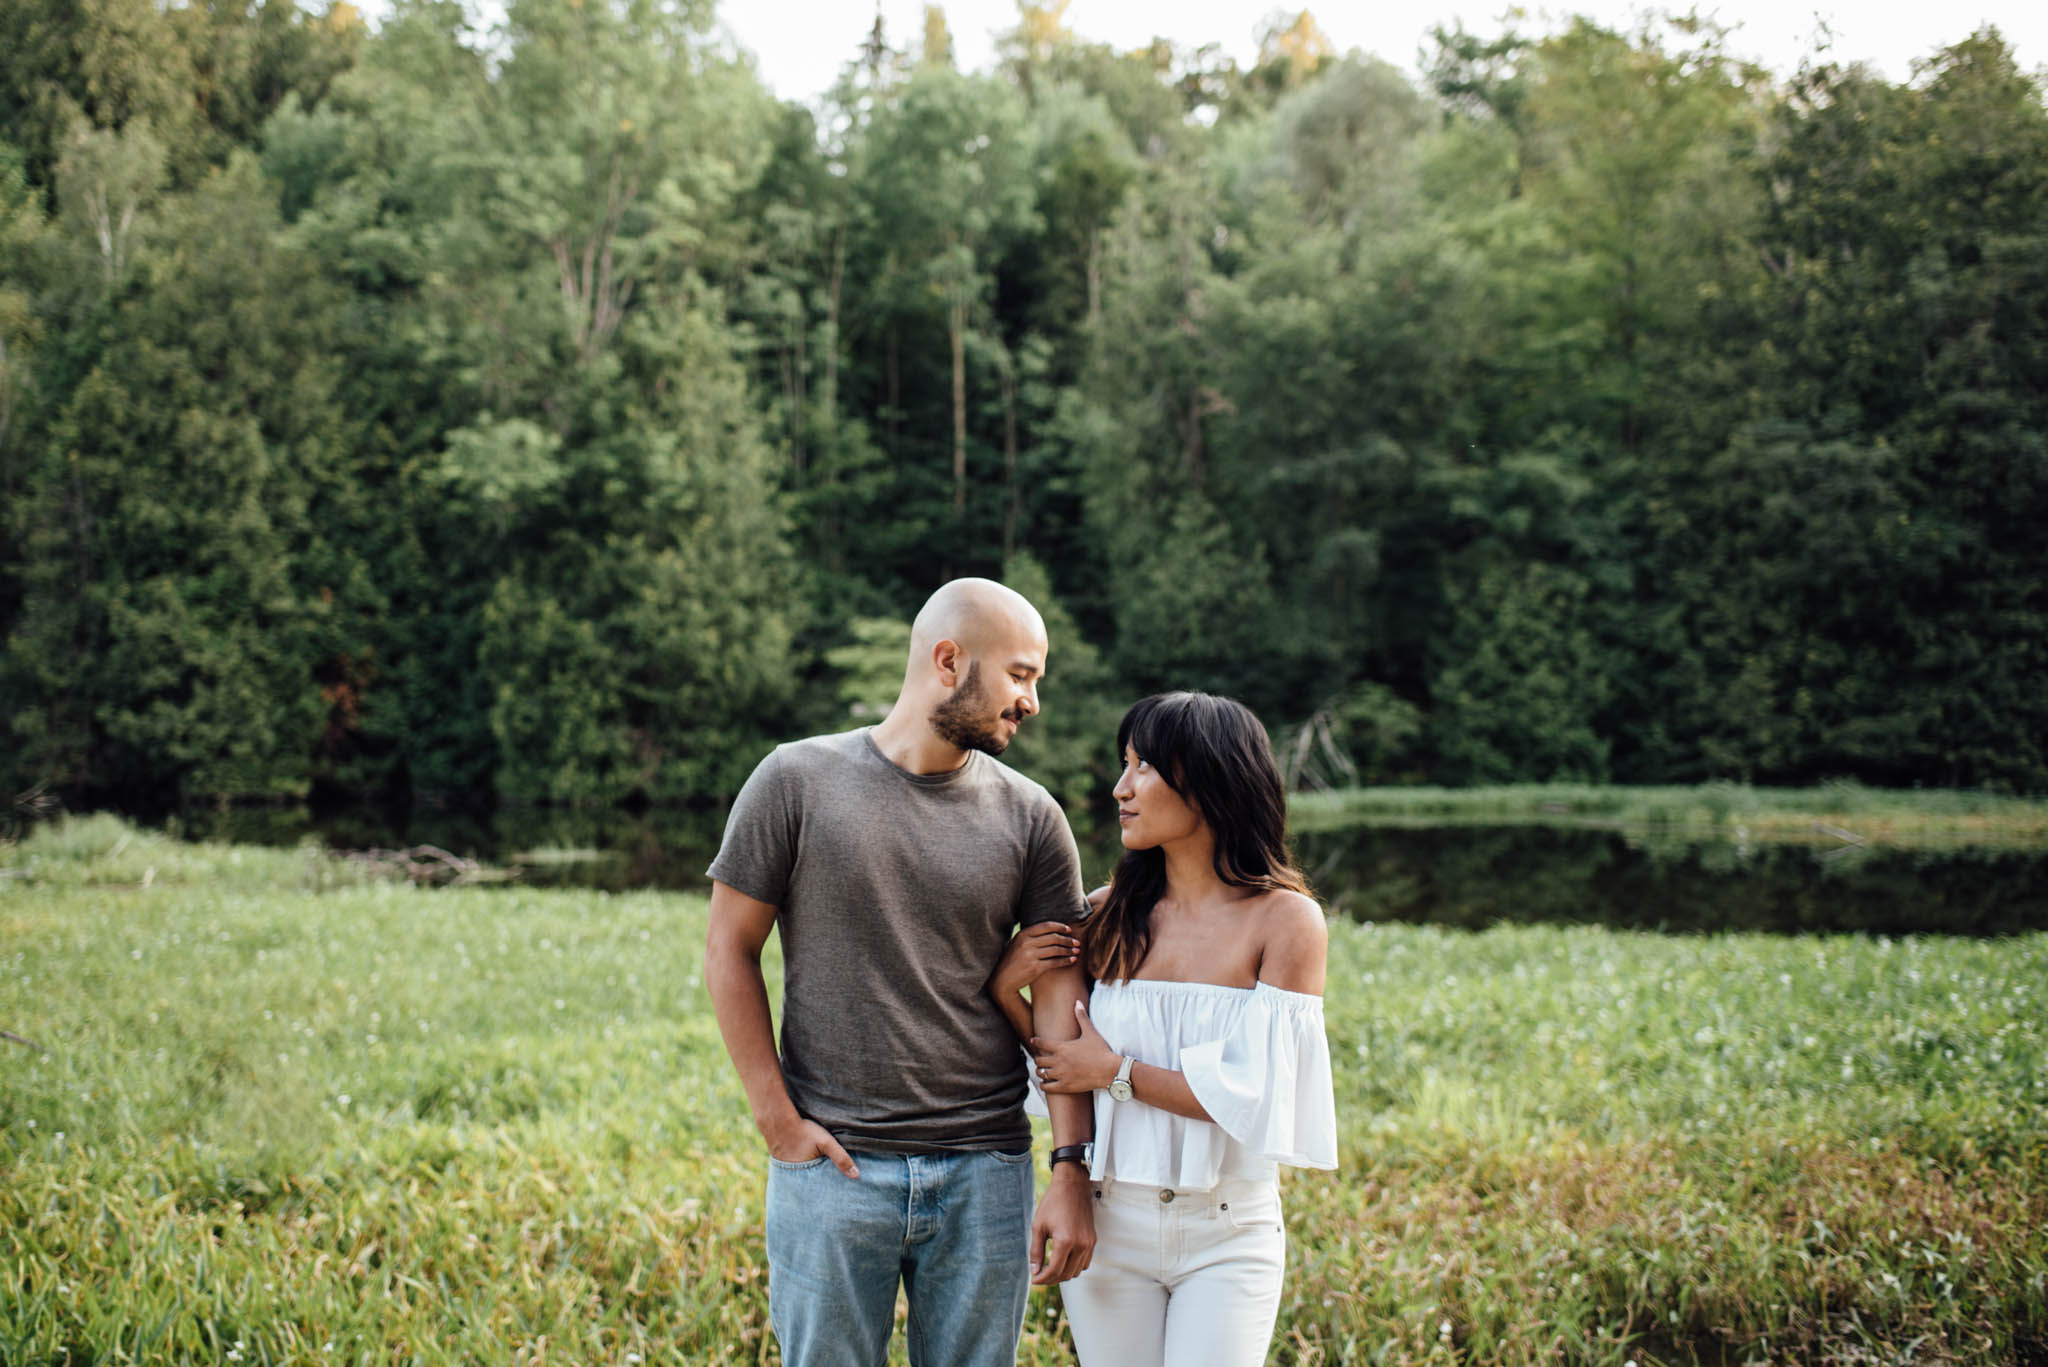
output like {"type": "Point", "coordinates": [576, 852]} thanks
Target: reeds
{"type": "Point", "coordinates": [1829, 812]}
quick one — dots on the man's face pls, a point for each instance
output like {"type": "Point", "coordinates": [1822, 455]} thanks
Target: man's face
{"type": "Point", "coordinates": [984, 712]}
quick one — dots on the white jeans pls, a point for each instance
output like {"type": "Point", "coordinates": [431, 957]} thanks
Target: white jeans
{"type": "Point", "coordinates": [1180, 1277]}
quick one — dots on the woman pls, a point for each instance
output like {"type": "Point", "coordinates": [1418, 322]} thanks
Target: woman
{"type": "Point", "coordinates": [1202, 1043]}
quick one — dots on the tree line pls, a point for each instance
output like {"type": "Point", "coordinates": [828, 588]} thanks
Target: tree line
{"type": "Point", "coordinates": [543, 410]}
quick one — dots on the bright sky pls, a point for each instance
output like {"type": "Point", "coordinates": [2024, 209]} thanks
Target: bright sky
{"type": "Point", "coordinates": [800, 45]}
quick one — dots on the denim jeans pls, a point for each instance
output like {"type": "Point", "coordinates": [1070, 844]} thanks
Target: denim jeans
{"type": "Point", "coordinates": [952, 1228]}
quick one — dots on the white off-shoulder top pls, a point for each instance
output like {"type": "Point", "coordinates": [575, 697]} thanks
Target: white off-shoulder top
{"type": "Point", "coordinates": [1256, 1058]}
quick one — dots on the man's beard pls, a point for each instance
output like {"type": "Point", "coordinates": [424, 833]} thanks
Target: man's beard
{"type": "Point", "coordinates": [962, 719]}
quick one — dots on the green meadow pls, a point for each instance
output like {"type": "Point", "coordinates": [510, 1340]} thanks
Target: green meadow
{"type": "Point", "coordinates": [267, 1110]}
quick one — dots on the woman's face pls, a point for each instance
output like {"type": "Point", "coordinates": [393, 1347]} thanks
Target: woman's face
{"type": "Point", "coordinates": [1149, 813]}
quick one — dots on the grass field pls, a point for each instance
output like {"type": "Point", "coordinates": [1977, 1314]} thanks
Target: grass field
{"type": "Point", "coordinates": [271, 1113]}
{"type": "Point", "coordinates": [1827, 813]}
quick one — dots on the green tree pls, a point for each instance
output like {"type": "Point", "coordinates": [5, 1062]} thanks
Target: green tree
{"type": "Point", "coordinates": [172, 618]}
{"type": "Point", "coordinates": [1635, 161]}
{"type": "Point", "coordinates": [1070, 746]}
{"type": "Point", "coordinates": [1520, 683]}
{"type": "Point", "coordinates": [23, 235]}
{"type": "Point", "coordinates": [944, 172]}
{"type": "Point", "coordinates": [1881, 611]}
{"type": "Point", "coordinates": [632, 488]}
{"type": "Point", "coordinates": [105, 182]}
{"type": "Point", "coordinates": [594, 588]}
{"type": "Point", "coordinates": [202, 76]}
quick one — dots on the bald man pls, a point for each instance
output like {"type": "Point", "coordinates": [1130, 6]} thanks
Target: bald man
{"type": "Point", "coordinates": [896, 862]}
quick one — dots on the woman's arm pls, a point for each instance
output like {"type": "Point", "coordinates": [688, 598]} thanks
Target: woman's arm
{"type": "Point", "coordinates": [1030, 954]}
{"type": "Point", "coordinates": [1088, 1064]}
{"type": "Point", "coordinates": [1295, 958]}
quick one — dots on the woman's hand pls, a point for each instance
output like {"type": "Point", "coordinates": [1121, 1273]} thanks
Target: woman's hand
{"type": "Point", "coordinates": [1031, 953]}
{"type": "Point", "coordinates": [1076, 1065]}
{"type": "Point", "coordinates": [1028, 957]}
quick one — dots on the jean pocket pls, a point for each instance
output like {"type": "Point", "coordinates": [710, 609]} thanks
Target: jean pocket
{"type": "Point", "coordinates": [1015, 1160]}
{"type": "Point", "coordinates": [1253, 1212]}
{"type": "Point", "coordinates": [804, 1166]}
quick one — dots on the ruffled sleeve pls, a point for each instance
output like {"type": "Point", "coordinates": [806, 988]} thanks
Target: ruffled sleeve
{"type": "Point", "coordinates": [1034, 1098]}
{"type": "Point", "coordinates": [1267, 1083]}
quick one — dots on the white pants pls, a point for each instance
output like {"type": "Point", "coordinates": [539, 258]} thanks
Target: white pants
{"type": "Point", "coordinates": [1180, 1277]}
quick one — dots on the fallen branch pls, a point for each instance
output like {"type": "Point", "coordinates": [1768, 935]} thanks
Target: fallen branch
{"type": "Point", "coordinates": [427, 864]}
{"type": "Point", "coordinates": [13, 1038]}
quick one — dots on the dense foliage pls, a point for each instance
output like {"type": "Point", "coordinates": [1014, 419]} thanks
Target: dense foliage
{"type": "Point", "coordinates": [546, 411]}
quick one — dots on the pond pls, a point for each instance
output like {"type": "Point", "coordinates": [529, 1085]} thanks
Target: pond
{"type": "Point", "coordinates": [1466, 876]}
{"type": "Point", "coordinates": [1475, 876]}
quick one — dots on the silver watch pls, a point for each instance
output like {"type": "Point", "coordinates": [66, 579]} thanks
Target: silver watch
{"type": "Point", "coordinates": [1120, 1089]}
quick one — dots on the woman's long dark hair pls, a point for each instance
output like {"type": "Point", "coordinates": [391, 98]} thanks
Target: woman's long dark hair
{"type": "Point", "coordinates": [1213, 752]}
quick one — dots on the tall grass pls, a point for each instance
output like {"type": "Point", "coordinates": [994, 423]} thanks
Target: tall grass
{"type": "Point", "coordinates": [1881, 815]}
{"type": "Point", "coordinates": [280, 1115]}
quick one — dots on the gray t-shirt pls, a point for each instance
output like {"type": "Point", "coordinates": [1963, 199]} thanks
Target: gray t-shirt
{"type": "Point", "coordinates": [896, 893]}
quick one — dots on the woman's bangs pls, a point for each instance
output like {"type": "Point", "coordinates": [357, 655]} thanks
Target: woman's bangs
{"type": "Point", "coordinates": [1156, 727]}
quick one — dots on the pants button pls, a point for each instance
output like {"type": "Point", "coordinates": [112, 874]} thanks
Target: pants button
{"type": "Point", "coordinates": [1166, 1196]}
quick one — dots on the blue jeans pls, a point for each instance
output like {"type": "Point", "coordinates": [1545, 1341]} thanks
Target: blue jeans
{"type": "Point", "coordinates": [952, 1228]}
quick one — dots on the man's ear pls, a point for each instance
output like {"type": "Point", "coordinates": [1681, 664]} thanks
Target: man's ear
{"type": "Point", "coordinates": [949, 662]}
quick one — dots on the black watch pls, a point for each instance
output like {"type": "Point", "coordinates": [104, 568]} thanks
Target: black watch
{"type": "Point", "coordinates": [1071, 1153]}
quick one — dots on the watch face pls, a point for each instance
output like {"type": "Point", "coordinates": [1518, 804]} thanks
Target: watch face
{"type": "Point", "coordinates": [1120, 1090]}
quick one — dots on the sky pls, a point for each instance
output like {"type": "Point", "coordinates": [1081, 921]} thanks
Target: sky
{"type": "Point", "coordinates": [800, 45]}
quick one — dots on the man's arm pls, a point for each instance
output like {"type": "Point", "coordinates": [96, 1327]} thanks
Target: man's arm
{"type": "Point", "coordinates": [1031, 953]}
{"type": "Point", "coordinates": [1063, 1229]}
{"type": "Point", "coordinates": [739, 995]}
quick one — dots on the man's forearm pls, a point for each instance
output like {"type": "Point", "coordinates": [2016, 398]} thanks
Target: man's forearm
{"type": "Point", "coordinates": [1063, 1229]}
{"type": "Point", "coordinates": [739, 998]}
{"type": "Point", "coordinates": [1017, 1011]}
{"type": "Point", "coordinates": [1052, 1018]}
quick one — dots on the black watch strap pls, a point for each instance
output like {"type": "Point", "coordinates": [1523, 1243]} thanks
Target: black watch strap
{"type": "Point", "coordinates": [1070, 1153]}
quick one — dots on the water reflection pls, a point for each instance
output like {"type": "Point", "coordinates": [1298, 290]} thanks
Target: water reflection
{"type": "Point", "coordinates": [1462, 876]}
{"type": "Point", "coordinates": [1477, 876]}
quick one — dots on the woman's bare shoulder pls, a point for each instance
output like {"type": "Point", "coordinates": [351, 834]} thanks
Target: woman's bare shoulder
{"type": "Point", "coordinates": [1098, 897]}
{"type": "Point", "coordinates": [1296, 952]}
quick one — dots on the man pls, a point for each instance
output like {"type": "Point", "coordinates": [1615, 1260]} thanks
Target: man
{"type": "Point", "coordinates": [896, 861]}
